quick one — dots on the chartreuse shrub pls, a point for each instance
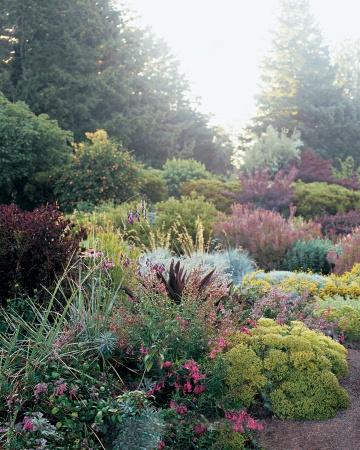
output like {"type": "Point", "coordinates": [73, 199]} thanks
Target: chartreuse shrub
{"type": "Point", "coordinates": [177, 171]}
{"type": "Point", "coordinates": [344, 312]}
{"type": "Point", "coordinates": [292, 369]}
{"type": "Point", "coordinates": [346, 285]}
{"type": "Point", "coordinates": [221, 194]}
{"type": "Point", "coordinates": [309, 255]}
{"type": "Point", "coordinates": [314, 199]}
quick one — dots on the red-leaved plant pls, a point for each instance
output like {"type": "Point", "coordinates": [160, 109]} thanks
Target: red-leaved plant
{"type": "Point", "coordinates": [348, 253]}
{"type": "Point", "coordinates": [34, 248]}
{"type": "Point", "coordinates": [265, 234]}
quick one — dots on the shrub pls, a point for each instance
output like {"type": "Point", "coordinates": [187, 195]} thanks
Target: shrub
{"type": "Point", "coordinates": [220, 193]}
{"type": "Point", "coordinates": [32, 149]}
{"type": "Point", "coordinates": [232, 263]}
{"type": "Point", "coordinates": [177, 171]}
{"type": "Point", "coordinates": [273, 151]}
{"type": "Point", "coordinates": [314, 199]}
{"type": "Point", "coordinates": [100, 171]}
{"type": "Point", "coordinates": [265, 192]}
{"type": "Point", "coordinates": [265, 234]}
{"type": "Point", "coordinates": [346, 285]}
{"type": "Point", "coordinates": [344, 312]}
{"type": "Point", "coordinates": [152, 185]}
{"type": "Point", "coordinates": [347, 252]}
{"type": "Point", "coordinates": [308, 255]}
{"type": "Point", "coordinates": [185, 211]}
{"type": "Point", "coordinates": [339, 224]}
{"type": "Point", "coordinates": [293, 368]}
{"type": "Point", "coordinates": [313, 168]}
{"type": "Point", "coordinates": [34, 248]}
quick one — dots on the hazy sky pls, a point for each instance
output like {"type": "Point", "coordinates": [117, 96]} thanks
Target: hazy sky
{"type": "Point", "coordinates": [220, 44]}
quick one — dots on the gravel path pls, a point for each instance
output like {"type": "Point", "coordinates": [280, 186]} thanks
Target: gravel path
{"type": "Point", "coordinates": [340, 433]}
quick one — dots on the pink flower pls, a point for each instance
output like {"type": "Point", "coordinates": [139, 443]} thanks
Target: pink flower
{"type": "Point", "coordinates": [28, 424]}
{"type": "Point", "coordinates": [245, 330]}
{"type": "Point", "coordinates": [108, 264]}
{"type": "Point", "coordinates": [241, 419]}
{"type": "Point", "coordinates": [167, 364]}
{"type": "Point", "coordinates": [181, 409]}
{"type": "Point", "coordinates": [40, 388]}
{"type": "Point", "coordinates": [199, 389]}
{"type": "Point", "coordinates": [143, 350]}
{"type": "Point", "coordinates": [60, 389]}
{"type": "Point", "coordinates": [200, 428]}
{"type": "Point", "coordinates": [187, 387]}
{"type": "Point", "coordinates": [161, 445]}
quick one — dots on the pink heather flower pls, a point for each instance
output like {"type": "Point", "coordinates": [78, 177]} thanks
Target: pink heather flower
{"type": "Point", "coordinates": [143, 350]}
{"type": "Point", "coordinates": [28, 424]}
{"type": "Point", "coordinates": [241, 419]}
{"type": "Point", "coordinates": [200, 428]}
{"type": "Point", "coordinates": [167, 364]}
{"type": "Point", "coordinates": [40, 388]}
{"type": "Point", "coordinates": [199, 389]}
{"type": "Point", "coordinates": [252, 424]}
{"type": "Point", "coordinates": [172, 404]}
{"type": "Point", "coordinates": [214, 352]}
{"type": "Point", "coordinates": [181, 409]}
{"type": "Point", "coordinates": [222, 342]}
{"type": "Point", "coordinates": [161, 445]}
{"type": "Point", "coordinates": [60, 389]}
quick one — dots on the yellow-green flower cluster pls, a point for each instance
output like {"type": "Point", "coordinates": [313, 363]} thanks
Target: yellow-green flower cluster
{"type": "Point", "coordinates": [346, 285]}
{"type": "Point", "coordinates": [295, 368]}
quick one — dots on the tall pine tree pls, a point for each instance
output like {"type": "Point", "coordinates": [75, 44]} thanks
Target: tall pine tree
{"type": "Point", "coordinates": [299, 89]}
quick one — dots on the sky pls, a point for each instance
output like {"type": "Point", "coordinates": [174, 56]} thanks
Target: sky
{"type": "Point", "coordinates": [220, 44]}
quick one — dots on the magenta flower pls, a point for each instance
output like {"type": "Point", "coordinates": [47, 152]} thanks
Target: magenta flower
{"type": "Point", "coordinates": [40, 388]}
{"type": "Point", "coordinates": [60, 389]}
{"type": "Point", "coordinates": [199, 429]}
{"type": "Point", "coordinates": [108, 264]}
{"type": "Point", "coordinates": [143, 350]}
{"type": "Point", "coordinates": [199, 389]}
{"type": "Point", "coordinates": [28, 424]}
{"type": "Point", "coordinates": [161, 445]}
{"type": "Point", "coordinates": [167, 364]}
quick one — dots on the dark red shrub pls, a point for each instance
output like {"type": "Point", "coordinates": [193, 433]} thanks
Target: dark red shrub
{"type": "Point", "coordinates": [34, 248]}
{"type": "Point", "coordinates": [264, 192]}
{"type": "Point", "coordinates": [314, 168]}
{"type": "Point", "coordinates": [340, 223]}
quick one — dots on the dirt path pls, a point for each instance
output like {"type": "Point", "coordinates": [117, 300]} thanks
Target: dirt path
{"type": "Point", "coordinates": [340, 433]}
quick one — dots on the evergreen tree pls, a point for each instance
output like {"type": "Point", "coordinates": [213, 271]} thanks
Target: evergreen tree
{"type": "Point", "coordinates": [86, 64]}
{"type": "Point", "coordinates": [299, 90]}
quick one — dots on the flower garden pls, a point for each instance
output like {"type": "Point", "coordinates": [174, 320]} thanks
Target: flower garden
{"type": "Point", "coordinates": [179, 327]}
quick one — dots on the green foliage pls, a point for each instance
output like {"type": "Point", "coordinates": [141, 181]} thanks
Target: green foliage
{"type": "Point", "coordinates": [218, 192]}
{"type": "Point", "coordinates": [344, 312]}
{"type": "Point", "coordinates": [90, 66]}
{"type": "Point", "coordinates": [309, 255]}
{"type": "Point", "coordinates": [142, 431]}
{"type": "Point", "coordinates": [185, 211]}
{"type": "Point", "coordinates": [99, 172]}
{"type": "Point", "coordinates": [313, 199]}
{"type": "Point", "coordinates": [32, 149]}
{"type": "Point", "coordinates": [292, 368]}
{"type": "Point", "coordinates": [299, 90]}
{"type": "Point", "coordinates": [177, 171]}
{"type": "Point", "coordinates": [152, 185]}
{"type": "Point", "coordinates": [273, 151]}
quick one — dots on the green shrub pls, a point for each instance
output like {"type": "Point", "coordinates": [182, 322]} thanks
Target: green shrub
{"type": "Point", "coordinates": [32, 149]}
{"type": "Point", "coordinates": [152, 185]}
{"type": "Point", "coordinates": [177, 171]}
{"type": "Point", "coordinates": [215, 191]}
{"type": "Point", "coordinates": [344, 312]}
{"type": "Point", "coordinates": [99, 172]}
{"type": "Point", "coordinates": [291, 367]}
{"type": "Point", "coordinates": [314, 199]}
{"type": "Point", "coordinates": [309, 255]}
{"type": "Point", "coordinates": [185, 211]}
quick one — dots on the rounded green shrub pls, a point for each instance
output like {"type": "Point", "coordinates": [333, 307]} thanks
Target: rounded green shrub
{"type": "Point", "coordinates": [314, 199]}
{"type": "Point", "coordinates": [294, 369]}
{"type": "Point", "coordinates": [152, 185]}
{"type": "Point", "coordinates": [309, 255]}
{"type": "Point", "coordinates": [185, 211]}
{"type": "Point", "coordinates": [177, 171]}
{"type": "Point", "coordinates": [216, 191]}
